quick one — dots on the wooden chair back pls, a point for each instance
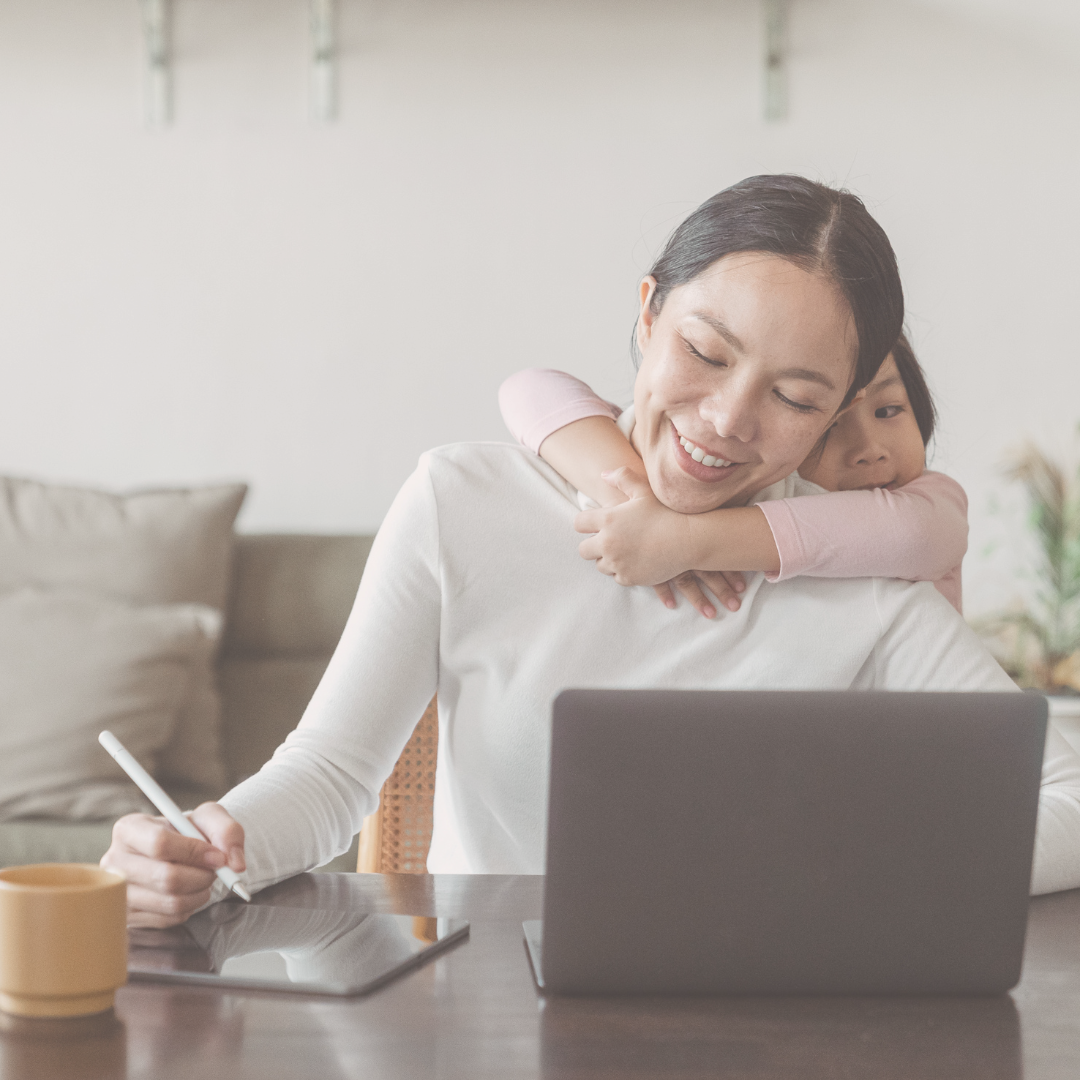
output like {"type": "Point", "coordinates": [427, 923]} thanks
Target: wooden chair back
{"type": "Point", "coordinates": [396, 838]}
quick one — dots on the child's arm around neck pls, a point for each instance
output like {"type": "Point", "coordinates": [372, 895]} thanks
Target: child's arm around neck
{"type": "Point", "coordinates": [917, 532]}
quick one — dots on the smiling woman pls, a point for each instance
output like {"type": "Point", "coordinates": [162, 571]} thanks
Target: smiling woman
{"type": "Point", "coordinates": [770, 309]}
{"type": "Point", "coordinates": [747, 364]}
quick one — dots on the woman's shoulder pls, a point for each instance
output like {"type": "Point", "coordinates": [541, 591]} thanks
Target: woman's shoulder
{"type": "Point", "coordinates": [491, 469]}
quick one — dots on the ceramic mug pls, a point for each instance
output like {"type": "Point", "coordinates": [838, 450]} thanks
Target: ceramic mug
{"type": "Point", "coordinates": [63, 939]}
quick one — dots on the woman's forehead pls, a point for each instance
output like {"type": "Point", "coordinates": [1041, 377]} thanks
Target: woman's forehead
{"type": "Point", "coordinates": [750, 297]}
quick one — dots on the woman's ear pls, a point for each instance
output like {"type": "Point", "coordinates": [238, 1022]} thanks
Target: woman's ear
{"type": "Point", "coordinates": [646, 316]}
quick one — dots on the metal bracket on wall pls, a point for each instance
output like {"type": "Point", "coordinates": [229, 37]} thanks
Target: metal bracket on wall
{"type": "Point", "coordinates": [323, 92]}
{"type": "Point", "coordinates": [157, 24]}
{"type": "Point", "coordinates": [776, 50]}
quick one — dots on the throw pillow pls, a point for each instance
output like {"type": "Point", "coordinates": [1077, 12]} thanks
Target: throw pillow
{"type": "Point", "coordinates": [73, 663]}
{"type": "Point", "coordinates": [149, 547]}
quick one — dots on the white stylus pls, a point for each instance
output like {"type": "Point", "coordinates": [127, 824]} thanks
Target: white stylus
{"type": "Point", "coordinates": [171, 812]}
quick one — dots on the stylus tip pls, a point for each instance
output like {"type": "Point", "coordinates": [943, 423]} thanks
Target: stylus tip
{"type": "Point", "coordinates": [241, 892]}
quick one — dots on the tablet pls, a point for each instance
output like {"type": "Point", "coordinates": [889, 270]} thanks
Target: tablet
{"type": "Point", "coordinates": [291, 949]}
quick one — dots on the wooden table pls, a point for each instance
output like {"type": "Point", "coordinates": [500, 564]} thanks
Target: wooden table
{"type": "Point", "coordinates": [474, 1013]}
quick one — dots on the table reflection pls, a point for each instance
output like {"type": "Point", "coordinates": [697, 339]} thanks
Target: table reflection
{"type": "Point", "coordinates": [807, 1038]}
{"type": "Point", "coordinates": [78, 1047]}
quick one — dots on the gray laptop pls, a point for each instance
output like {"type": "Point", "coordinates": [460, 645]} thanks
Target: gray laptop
{"type": "Point", "coordinates": [704, 842]}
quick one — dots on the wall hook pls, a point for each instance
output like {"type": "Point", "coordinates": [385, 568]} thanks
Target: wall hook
{"type": "Point", "coordinates": [157, 27]}
{"type": "Point", "coordinates": [323, 91]}
{"type": "Point", "coordinates": [776, 59]}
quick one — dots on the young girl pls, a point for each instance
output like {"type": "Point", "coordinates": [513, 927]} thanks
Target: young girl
{"type": "Point", "coordinates": [880, 514]}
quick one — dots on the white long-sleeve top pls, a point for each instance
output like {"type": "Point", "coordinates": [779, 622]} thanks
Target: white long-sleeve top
{"type": "Point", "coordinates": [474, 588]}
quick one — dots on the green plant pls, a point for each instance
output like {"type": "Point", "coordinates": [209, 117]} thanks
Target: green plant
{"type": "Point", "coordinates": [1042, 638]}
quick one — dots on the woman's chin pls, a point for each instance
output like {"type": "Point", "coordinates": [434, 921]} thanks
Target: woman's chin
{"type": "Point", "coordinates": [686, 496]}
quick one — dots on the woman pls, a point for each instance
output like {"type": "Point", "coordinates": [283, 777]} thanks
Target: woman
{"type": "Point", "coordinates": [772, 305]}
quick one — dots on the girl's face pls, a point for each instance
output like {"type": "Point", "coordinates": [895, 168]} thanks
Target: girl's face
{"type": "Point", "coordinates": [742, 372]}
{"type": "Point", "coordinates": [875, 443]}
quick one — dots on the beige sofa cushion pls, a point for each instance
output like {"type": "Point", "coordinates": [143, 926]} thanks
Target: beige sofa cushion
{"type": "Point", "coordinates": [150, 547]}
{"type": "Point", "coordinates": [291, 597]}
{"type": "Point", "coordinates": [73, 663]}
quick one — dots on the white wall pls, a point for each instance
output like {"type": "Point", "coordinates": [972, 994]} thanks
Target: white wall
{"type": "Point", "coordinates": [249, 295]}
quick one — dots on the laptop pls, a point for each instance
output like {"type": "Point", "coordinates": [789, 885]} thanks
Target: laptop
{"type": "Point", "coordinates": [760, 842]}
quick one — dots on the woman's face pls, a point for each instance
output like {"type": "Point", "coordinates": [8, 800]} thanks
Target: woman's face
{"type": "Point", "coordinates": [742, 372]}
{"type": "Point", "coordinates": [875, 444]}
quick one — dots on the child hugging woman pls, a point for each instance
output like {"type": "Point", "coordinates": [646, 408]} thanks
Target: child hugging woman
{"type": "Point", "coordinates": [872, 508]}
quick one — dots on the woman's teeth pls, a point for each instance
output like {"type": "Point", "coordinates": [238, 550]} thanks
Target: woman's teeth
{"type": "Point", "coordinates": [699, 455]}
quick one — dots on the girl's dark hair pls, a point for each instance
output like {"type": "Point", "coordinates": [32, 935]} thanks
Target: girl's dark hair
{"type": "Point", "coordinates": [821, 229]}
{"type": "Point", "coordinates": [914, 380]}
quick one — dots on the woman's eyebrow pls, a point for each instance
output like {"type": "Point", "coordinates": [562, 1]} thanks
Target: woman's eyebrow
{"type": "Point", "coordinates": [720, 327]}
{"type": "Point", "coordinates": [807, 375]}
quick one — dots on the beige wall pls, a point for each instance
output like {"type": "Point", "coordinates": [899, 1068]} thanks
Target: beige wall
{"type": "Point", "coordinates": [249, 295]}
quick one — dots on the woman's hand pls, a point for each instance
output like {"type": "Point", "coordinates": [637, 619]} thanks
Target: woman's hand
{"type": "Point", "coordinates": [169, 876]}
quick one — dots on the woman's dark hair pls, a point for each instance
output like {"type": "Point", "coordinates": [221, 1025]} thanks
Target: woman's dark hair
{"type": "Point", "coordinates": [914, 380]}
{"type": "Point", "coordinates": [821, 229]}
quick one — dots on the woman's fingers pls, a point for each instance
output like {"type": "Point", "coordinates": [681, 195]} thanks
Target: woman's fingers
{"type": "Point", "coordinates": [688, 585]}
{"type": "Point", "coordinates": [148, 908]}
{"type": "Point", "coordinates": [223, 831]}
{"type": "Point", "coordinates": [170, 875]}
{"type": "Point", "coordinates": [155, 838]}
{"type": "Point", "coordinates": [162, 880]}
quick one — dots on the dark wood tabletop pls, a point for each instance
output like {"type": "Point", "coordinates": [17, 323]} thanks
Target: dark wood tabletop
{"type": "Point", "coordinates": [474, 1013]}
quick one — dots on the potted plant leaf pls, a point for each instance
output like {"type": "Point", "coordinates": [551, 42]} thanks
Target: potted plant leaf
{"type": "Point", "coordinates": [1038, 644]}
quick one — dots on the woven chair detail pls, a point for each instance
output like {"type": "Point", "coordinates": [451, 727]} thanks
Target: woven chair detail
{"type": "Point", "coordinates": [396, 838]}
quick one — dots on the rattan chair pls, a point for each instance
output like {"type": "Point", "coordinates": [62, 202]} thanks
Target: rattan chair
{"type": "Point", "coordinates": [395, 839]}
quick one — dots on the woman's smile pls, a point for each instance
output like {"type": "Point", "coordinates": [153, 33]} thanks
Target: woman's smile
{"type": "Point", "coordinates": [699, 462]}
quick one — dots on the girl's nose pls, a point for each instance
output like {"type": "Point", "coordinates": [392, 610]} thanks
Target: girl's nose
{"type": "Point", "coordinates": [871, 456]}
{"type": "Point", "coordinates": [867, 452]}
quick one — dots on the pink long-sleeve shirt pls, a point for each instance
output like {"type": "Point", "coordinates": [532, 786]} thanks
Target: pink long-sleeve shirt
{"type": "Point", "coordinates": [917, 532]}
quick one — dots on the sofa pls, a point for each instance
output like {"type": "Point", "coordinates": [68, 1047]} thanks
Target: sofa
{"type": "Point", "coordinates": [290, 597]}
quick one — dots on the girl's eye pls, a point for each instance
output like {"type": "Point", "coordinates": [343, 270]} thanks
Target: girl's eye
{"type": "Point", "coordinates": [887, 412]}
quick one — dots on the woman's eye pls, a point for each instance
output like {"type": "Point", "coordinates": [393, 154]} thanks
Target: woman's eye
{"type": "Point", "coordinates": [887, 412]}
{"type": "Point", "coordinates": [702, 356]}
{"type": "Point", "coordinates": [796, 405]}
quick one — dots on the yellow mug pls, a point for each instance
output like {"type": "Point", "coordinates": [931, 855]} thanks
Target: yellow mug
{"type": "Point", "coordinates": [63, 939]}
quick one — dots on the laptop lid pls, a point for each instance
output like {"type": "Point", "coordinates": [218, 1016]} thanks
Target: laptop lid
{"type": "Point", "coordinates": [759, 842]}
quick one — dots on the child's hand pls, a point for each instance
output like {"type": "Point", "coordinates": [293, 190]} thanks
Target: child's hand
{"type": "Point", "coordinates": [639, 542]}
{"type": "Point", "coordinates": [725, 585]}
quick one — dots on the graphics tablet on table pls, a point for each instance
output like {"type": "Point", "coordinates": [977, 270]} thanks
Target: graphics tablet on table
{"type": "Point", "coordinates": [292, 949]}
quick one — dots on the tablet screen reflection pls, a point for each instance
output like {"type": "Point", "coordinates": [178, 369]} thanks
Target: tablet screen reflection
{"type": "Point", "coordinates": [301, 949]}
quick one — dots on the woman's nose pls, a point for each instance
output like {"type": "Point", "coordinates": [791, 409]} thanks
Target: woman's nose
{"type": "Point", "coordinates": [732, 413]}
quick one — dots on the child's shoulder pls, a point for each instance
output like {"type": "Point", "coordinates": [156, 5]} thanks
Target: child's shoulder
{"type": "Point", "coordinates": [792, 486]}
{"type": "Point", "coordinates": [937, 482]}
